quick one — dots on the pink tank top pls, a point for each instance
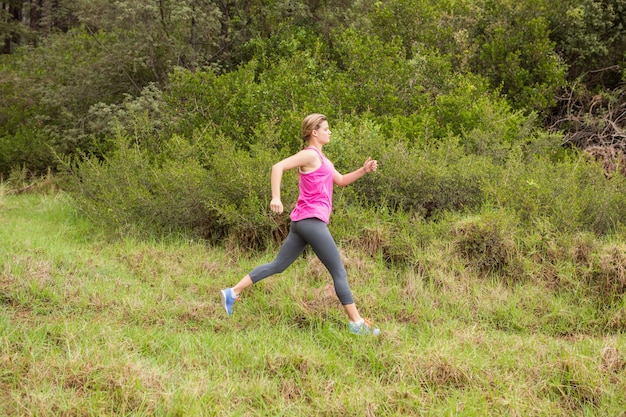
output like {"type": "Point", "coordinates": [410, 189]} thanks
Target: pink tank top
{"type": "Point", "coordinates": [316, 192]}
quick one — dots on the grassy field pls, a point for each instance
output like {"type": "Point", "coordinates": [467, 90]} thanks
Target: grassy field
{"type": "Point", "coordinates": [96, 326]}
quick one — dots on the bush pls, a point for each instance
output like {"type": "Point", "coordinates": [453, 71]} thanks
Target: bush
{"type": "Point", "coordinates": [517, 56]}
{"type": "Point", "coordinates": [127, 191]}
{"type": "Point", "coordinates": [427, 181]}
{"type": "Point", "coordinates": [591, 35]}
{"type": "Point", "coordinates": [204, 187]}
{"type": "Point", "coordinates": [444, 142]}
{"type": "Point", "coordinates": [52, 91]}
{"type": "Point", "coordinates": [487, 243]}
{"type": "Point", "coordinates": [572, 192]}
{"type": "Point", "coordinates": [388, 87]}
{"type": "Point", "coordinates": [486, 124]}
{"type": "Point", "coordinates": [27, 148]}
{"type": "Point", "coordinates": [235, 103]}
{"type": "Point", "coordinates": [506, 42]}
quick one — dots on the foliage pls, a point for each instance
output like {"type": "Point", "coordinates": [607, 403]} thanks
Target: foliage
{"type": "Point", "coordinates": [52, 90]}
{"type": "Point", "coordinates": [516, 54]}
{"type": "Point", "coordinates": [425, 180]}
{"type": "Point", "coordinates": [383, 88]}
{"type": "Point", "coordinates": [591, 36]}
{"type": "Point", "coordinates": [388, 58]}
{"type": "Point", "coordinates": [205, 187]}
{"type": "Point", "coordinates": [450, 157]}
{"type": "Point", "coordinates": [507, 42]}
{"type": "Point", "coordinates": [448, 96]}
{"type": "Point", "coordinates": [27, 148]}
{"type": "Point", "coordinates": [236, 103]}
{"type": "Point", "coordinates": [572, 192]}
{"type": "Point", "coordinates": [304, 82]}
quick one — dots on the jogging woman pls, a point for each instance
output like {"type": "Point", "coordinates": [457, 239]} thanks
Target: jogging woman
{"type": "Point", "coordinates": [309, 219]}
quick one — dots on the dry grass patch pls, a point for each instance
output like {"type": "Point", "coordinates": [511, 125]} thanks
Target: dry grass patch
{"type": "Point", "coordinates": [572, 384]}
{"type": "Point", "coordinates": [440, 372]}
{"type": "Point", "coordinates": [611, 277]}
{"type": "Point", "coordinates": [486, 245]}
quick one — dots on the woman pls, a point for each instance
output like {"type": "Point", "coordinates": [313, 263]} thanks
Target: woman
{"type": "Point", "coordinates": [309, 219]}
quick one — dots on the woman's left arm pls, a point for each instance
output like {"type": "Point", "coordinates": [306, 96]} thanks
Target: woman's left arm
{"type": "Point", "coordinates": [370, 165]}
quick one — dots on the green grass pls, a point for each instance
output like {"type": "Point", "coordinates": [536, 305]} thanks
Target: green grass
{"type": "Point", "coordinates": [91, 325]}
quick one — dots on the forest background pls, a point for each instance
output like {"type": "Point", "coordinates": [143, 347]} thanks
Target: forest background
{"type": "Point", "coordinates": [498, 126]}
{"type": "Point", "coordinates": [174, 111]}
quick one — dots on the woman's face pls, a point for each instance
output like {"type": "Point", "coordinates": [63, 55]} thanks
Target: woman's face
{"type": "Point", "coordinates": [323, 133]}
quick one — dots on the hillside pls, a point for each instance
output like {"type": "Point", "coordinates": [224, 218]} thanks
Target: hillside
{"type": "Point", "coordinates": [90, 326]}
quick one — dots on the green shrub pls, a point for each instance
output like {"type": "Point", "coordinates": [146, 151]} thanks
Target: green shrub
{"type": "Point", "coordinates": [487, 243]}
{"type": "Point", "coordinates": [506, 42]}
{"type": "Point", "coordinates": [57, 94]}
{"type": "Point", "coordinates": [204, 187]}
{"type": "Point", "coordinates": [486, 123]}
{"type": "Point", "coordinates": [591, 34]}
{"type": "Point", "coordinates": [572, 192]}
{"type": "Point", "coordinates": [127, 191]}
{"type": "Point", "coordinates": [517, 55]}
{"type": "Point", "coordinates": [203, 98]}
{"type": "Point", "coordinates": [234, 103]}
{"type": "Point", "coordinates": [383, 88]}
{"type": "Point", "coordinates": [427, 180]}
{"type": "Point", "coordinates": [26, 148]}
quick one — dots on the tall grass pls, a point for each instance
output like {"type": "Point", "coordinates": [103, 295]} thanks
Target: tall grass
{"type": "Point", "coordinates": [91, 325]}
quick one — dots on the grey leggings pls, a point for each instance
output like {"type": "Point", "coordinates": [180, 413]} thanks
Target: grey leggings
{"type": "Point", "coordinates": [312, 232]}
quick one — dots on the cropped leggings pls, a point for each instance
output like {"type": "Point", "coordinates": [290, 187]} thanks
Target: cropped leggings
{"type": "Point", "coordinates": [312, 232]}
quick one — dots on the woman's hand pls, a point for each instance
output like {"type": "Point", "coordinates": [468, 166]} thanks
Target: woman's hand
{"type": "Point", "coordinates": [370, 165]}
{"type": "Point", "coordinates": [276, 205]}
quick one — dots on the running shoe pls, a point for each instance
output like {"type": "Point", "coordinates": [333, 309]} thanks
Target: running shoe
{"type": "Point", "coordinates": [364, 327]}
{"type": "Point", "coordinates": [228, 299]}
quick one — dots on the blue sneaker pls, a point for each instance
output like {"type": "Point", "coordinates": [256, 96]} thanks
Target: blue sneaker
{"type": "Point", "coordinates": [363, 328]}
{"type": "Point", "coordinates": [228, 299]}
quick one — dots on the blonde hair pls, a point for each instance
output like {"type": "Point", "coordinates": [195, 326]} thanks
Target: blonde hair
{"type": "Point", "coordinates": [309, 124]}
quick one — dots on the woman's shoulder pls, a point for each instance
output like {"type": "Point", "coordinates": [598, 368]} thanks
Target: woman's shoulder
{"type": "Point", "coordinates": [314, 151]}
{"type": "Point", "coordinates": [310, 154]}
{"type": "Point", "coordinates": [311, 159]}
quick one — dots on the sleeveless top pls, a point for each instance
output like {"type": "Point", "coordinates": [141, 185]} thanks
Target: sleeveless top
{"type": "Point", "coordinates": [316, 192]}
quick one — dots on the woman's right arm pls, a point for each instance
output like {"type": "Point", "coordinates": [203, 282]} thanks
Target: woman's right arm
{"type": "Point", "coordinates": [303, 158]}
{"type": "Point", "coordinates": [276, 204]}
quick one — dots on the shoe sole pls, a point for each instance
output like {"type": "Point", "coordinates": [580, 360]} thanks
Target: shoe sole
{"type": "Point", "coordinates": [223, 294]}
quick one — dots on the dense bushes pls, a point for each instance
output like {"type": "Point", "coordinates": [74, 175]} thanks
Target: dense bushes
{"type": "Point", "coordinates": [507, 42]}
{"type": "Point", "coordinates": [49, 94]}
{"type": "Point", "coordinates": [212, 185]}
{"type": "Point", "coordinates": [205, 188]}
{"type": "Point", "coordinates": [388, 58]}
{"type": "Point", "coordinates": [593, 40]}
{"type": "Point", "coordinates": [232, 127]}
{"type": "Point", "coordinates": [450, 145]}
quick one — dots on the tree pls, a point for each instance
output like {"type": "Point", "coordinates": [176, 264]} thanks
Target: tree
{"type": "Point", "coordinates": [11, 28]}
{"type": "Point", "coordinates": [591, 37]}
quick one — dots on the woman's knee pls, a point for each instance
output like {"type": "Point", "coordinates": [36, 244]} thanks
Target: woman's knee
{"type": "Point", "coordinates": [266, 270]}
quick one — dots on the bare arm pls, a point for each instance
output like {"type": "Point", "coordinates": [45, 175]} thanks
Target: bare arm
{"type": "Point", "coordinates": [370, 165]}
{"type": "Point", "coordinates": [305, 159]}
